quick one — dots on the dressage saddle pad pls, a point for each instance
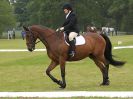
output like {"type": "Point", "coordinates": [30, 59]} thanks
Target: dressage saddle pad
{"type": "Point", "coordinates": [80, 40]}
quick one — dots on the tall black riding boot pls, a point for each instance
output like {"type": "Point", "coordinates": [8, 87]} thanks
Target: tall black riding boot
{"type": "Point", "coordinates": [72, 49]}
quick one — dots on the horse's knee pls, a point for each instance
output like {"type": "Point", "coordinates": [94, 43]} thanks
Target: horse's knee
{"type": "Point", "coordinates": [47, 72]}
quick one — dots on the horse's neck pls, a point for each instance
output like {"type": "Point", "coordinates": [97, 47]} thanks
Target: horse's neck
{"type": "Point", "coordinates": [49, 39]}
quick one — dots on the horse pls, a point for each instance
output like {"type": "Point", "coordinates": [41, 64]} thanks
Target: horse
{"type": "Point", "coordinates": [108, 30]}
{"type": "Point", "coordinates": [97, 47]}
{"type": "Point", "coordinates": [112, 30]}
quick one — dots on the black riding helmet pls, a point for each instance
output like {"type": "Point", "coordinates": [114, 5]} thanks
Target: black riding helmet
{"type": "Point", "coordinates": [67, 6]}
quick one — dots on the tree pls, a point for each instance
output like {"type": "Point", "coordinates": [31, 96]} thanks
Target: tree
{"type": "Point", "coordinates": [117, 10]}
{"type": "Point", "coordinates": [20, 10]}
{"type": "Point", "coordinates": [113, 13]}
{"type": "Point", "coordinates": [48, 12]}
{"type": "Point", "coordinates": [127, 22]}
{"type": "Point", "coordinates": [7, 19]}
{"type": "Point", "coordinates": [92, 12]}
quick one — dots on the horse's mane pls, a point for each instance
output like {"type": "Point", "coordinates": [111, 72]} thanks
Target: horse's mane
{"type": "Point", "coordinates": [42, 27]}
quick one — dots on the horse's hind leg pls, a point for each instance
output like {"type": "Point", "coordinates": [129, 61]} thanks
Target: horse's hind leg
{"type": "Point", "coordinates": [104, 67]}
{"type": "Point", "coordinates": [104, 71]}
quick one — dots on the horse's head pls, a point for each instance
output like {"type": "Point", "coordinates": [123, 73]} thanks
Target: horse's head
{"type": "Point", "coordinates": [30, 39]}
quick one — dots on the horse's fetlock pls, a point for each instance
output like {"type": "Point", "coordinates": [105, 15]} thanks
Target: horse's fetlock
{"type": "Point", "coordinates": [60, 82]}
{"type": "Point", "coordinates": [62, 75]}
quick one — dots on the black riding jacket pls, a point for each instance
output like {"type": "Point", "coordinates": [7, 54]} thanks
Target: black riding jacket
{"type": "Point", "coordinates": [71, 24]}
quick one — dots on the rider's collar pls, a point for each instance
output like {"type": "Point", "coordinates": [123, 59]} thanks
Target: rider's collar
{"type": "Point", "coordinates": [68, 14]}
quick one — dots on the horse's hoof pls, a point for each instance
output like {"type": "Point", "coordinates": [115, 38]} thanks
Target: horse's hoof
{"type": "Point", "coordinates": [62, 86]}
{"type": "Point", "coordinates": [105, 83]}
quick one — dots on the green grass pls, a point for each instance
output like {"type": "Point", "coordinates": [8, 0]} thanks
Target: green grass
{"type": "Point", "coordinates": [25, 71]}
{"type": "Point", "coordinates": [16, 44]}
{"type": "Point", "coordinates": [126, 40]}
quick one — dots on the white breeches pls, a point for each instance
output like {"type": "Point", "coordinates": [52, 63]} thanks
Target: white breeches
{"type": "Point", "coordinates": [72, 35]}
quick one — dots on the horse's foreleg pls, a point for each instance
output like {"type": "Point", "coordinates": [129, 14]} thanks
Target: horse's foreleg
{"type": "Point", "coordinates": [62, 67]}
{"type": "Point", "coordinates": [52, 65]}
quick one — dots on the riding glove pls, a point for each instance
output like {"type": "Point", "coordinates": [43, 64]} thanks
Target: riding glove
{"type": "Point", "coordinates": [60, 29]}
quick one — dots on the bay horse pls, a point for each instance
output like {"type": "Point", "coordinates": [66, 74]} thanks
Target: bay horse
{"type": "Point", "coordinates": [97, 47]}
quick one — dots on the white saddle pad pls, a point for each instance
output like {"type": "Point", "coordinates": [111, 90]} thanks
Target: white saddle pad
{"type": "Point", "coordinates": [80, 40]}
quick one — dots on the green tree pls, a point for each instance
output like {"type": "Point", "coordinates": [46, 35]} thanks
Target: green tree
{"type": "Point", "coordinates": [48, 12]}
{"type": "Point", "coordinates": [116, 13]}
{"type": "Point", "coordinates": [117, 10]}
{"type": "Point", "coordinates": [127, 22]}
{"type": "Point", "coordinates": [92, 12]}
{"type": "Point", "coordinates": [7, 19]}
{"type": "Point", "coordinates": [20, 9]}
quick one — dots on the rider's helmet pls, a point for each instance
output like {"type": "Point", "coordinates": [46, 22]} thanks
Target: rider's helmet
{"type": "Point", "coordinates": [67, 6]}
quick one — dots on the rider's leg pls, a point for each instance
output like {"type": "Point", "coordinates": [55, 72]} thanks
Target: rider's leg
{"type": "Point", "coordinates": [72, 35]}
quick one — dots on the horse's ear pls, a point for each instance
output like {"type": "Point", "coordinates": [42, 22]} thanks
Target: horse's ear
{"type": "Point", "coordinates": [25, 28]}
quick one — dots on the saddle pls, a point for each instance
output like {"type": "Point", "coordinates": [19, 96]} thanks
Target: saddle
{"type": "Point", "coordinates": [79, 40]}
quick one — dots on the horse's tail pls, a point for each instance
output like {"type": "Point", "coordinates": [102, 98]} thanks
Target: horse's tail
{"type": "Point", "coordinates": [108, 53]}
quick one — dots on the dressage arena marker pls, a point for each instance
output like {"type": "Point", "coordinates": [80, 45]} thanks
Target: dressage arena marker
{"type": "Point", "coordinates": [120, 94]}
{"type": "Point", "coordinates": [39, 50]}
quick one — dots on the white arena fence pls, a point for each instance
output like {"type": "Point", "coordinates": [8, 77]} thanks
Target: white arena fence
{"type": "Point", "coordinates": [39, 50]}
{"type": "Point", "coordinates": [67, 94]}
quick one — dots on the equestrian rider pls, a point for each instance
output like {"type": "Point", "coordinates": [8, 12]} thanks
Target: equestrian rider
{"type": "Point", "coordinates": [70, 27]}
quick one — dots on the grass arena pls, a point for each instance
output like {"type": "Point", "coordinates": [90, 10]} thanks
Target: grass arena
{"type": "Point", "coordinates": [25, 71]}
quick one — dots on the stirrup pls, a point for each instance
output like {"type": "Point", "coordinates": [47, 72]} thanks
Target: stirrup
{"type": "Point", "coordinates": [71, 54]}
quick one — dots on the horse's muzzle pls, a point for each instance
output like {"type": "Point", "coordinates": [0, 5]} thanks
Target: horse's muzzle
{"type": "Point", "coordinates": [31, 49]}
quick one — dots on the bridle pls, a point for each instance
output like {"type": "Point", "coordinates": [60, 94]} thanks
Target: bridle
{"type": "Point", "coordinates": [32, 38]}
{"type": "Point", "coordinates": [32, 41]}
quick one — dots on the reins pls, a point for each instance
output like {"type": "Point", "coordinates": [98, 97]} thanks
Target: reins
{"type": "Point", "coordinates": [47, 37]}
{"type": "Point", "coordinates": [56, 33]}
{"type": "Point", "coordinates": [37, 42]}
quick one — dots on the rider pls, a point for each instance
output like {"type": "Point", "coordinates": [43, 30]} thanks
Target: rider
{"type": "Point", "coordinates": [70, 27]}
